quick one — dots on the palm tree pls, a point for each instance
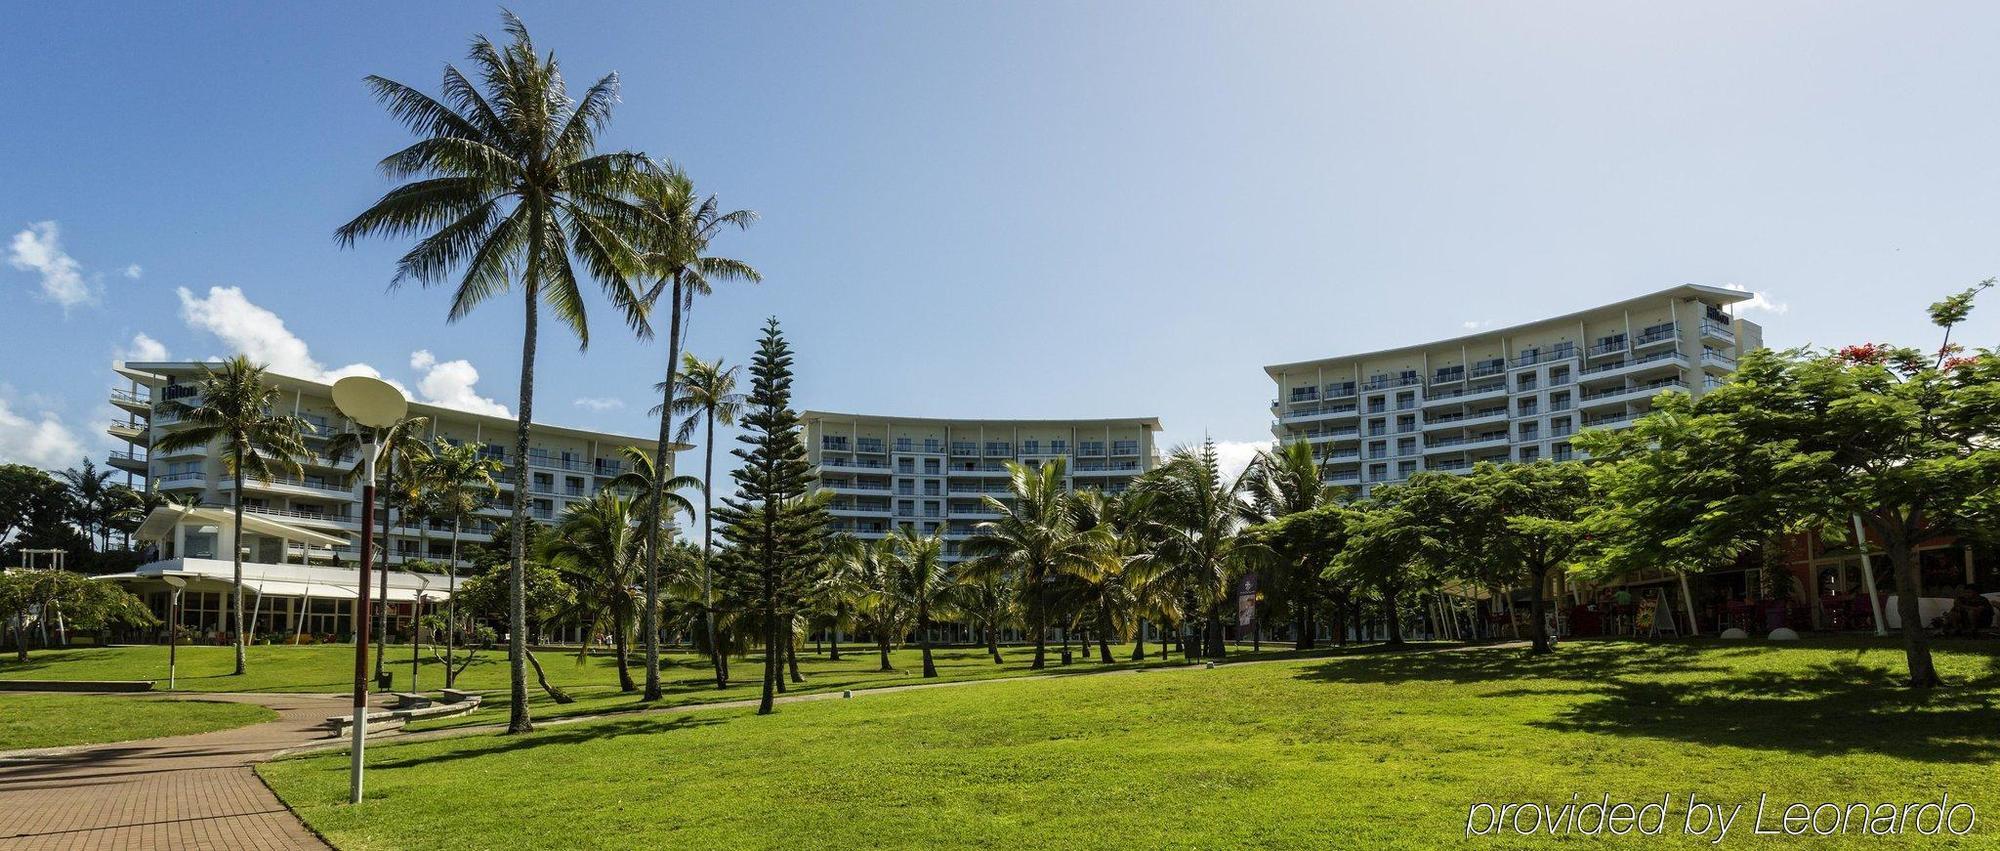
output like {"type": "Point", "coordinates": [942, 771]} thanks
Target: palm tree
{"type": "Point", "coordinates": [596, 547]}
{"type": "Point", "coordinates": [1199, 514]}
{"type": "Point", "coordinates": [507, 182]}
{"type": "Point", "coordinates": [840, 590]}
{"type": "Point", "coordinates": [877, 608]}
{"type": "Point", "coordinates": [92, 500]}
{"type": "Point", "coordinates": [458, 481]}
{"type": "Point", "coordinates": [1123, 527]}
{"type": "Point", "coordinates": [924, 583]}
{"type": "Point", "coordinates": [399, 447]}
{"type": "Point", "coordinates": [708, 396]}
{"type": "Point", "coordinates": [1036, 539]}
{"type": "Point", "coordinates": [678, 228]}
{"type": "Point", "coordinates": [1280, 482]}
{"type": "Point", "coordinates": [236, 409]}
{"type": "Point", "coordinates": [990, 602]}
{"type": "Point", "coordinates": [642, 480]}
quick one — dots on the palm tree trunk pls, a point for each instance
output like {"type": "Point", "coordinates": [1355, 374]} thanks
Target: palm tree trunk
{"type": "Point", "coordinates": [1139, 641]}
{"type": "Point", "coordinates": [708, 543]}
{"type": "Point", "coordinates": [451, 604]}
{"type": "Point", "coordinates": [1041, 628]}
{"type": "Point", "coordinates": [832, 636]}
{"type": "Point", "coordinates": [1104, 632]}
{"type": "Point", "coordinates": [650, 617]}
{"type": "Point", "coordinates": [924, 636]}
{"type": "Point", "coordinates": [236, 561]}
{"type": "Point", "coordinates": [517, 583]}
{"type": "Point", "coordinates": [792, 657]}
{"type": "Point", "coordinates": [882, 646]}
{"type": "Point", "coordinates": [993, 640]}
{"type": "Point", "coordinates": [620, 644]}
{"type": "Point", "coordinates": [382, 596]}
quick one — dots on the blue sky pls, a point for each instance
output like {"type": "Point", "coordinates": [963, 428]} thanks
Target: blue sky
{"type": "Point", "coordinates": [1104, 209]}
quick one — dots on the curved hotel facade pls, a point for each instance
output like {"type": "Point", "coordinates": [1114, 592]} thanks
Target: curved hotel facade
{"type": "Point", "coordinates": [887, 473]}
{"type": "Point", "coordinates": [1510, 394]}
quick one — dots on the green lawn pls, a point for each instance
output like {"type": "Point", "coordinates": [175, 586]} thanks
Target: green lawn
{"type": "Point", "coordinates": [594, 683]}
{"type": "Point", "coordinates": [1367, 749]}
{"type": "Point", "coordinates": [42, 720]}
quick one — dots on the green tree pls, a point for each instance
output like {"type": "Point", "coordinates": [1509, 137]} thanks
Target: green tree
{"type": "Point", "coordinates": [399, 451]}
{"type": "Point", "coordinates": [1305, 542]}
{"type": "Point", "coordinates": [1106, 592]}
{"type": "Point", "coordinates": [1199, 512]}
{"type": "Point", "coordinates": [1527, 522]}
{"type": "Point", "coordinates": [458, 482]}
{"type": "Point", "coordinates": [923, 582]}
{"type": "Point", "coordinates": [92, 500]}
{"type": "Point", "coordinates": [1388, 550]}
{"type": "Point", "coordinates": [505, 182]}
{"type": "Point", "coordinates": [596, 547]}
{"type": "Point", "coordinates": [1035, 540]}
{"type": "Point", "coordinates": [236, 411]}
{"type": "Point", "coordinates": [679, 226]}
{"type": "Point", "coordinates": [844, 588]}
{"type": "Point", "coordinates": [1903, 439]}
{"type": "Point", "coordinates": [779, 533]}
{"type": "Point", "coordinates": [866, 576]}
{"type": "Point", "coordinates": [1279, 483]}
{"type": "Point", "coordinates": [83, 603]}
{"type": "Point", "coordinates": [707, 397]}
{"type": "Point", "coordinates": [35, 512]}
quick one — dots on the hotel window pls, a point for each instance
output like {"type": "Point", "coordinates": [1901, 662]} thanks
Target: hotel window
{"type": "Point", "coordinates": [1058, 447]}
{"type": "Point", "coordinates": [931, 466]}
{"type": "Point", "coordinates": [1125, 447]}
{"type": "Point", "coordinates": [1031, 447]}
{"type": "Point", "coordinates": [906, 465]}
{"type": "Point", "coordinates": [994, 447]}
{"type": "Point", "coordinates": [1531, 453]}
{"type": "Point", "coordinates": [903, 444]}
{"type": "Point", "coordinates": [1405, 469]}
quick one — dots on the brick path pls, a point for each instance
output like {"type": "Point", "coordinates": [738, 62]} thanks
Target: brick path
{"type": "Point", "coordinates": [182, 792]}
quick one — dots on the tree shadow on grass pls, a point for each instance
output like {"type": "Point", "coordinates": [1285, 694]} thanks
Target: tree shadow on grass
{"type": "Point", "coordinates": [1831, 709]}
{"type": "Point", "coordinates": [1582, 663]}
{"type": "Point", "coordinates": [418, 754]}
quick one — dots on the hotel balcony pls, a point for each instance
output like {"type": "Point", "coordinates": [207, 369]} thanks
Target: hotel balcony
{"type": "Point", "coordinates": [1470, 394]}
{"type": "Point", "coordinates": [130, 462]}
{"type": "Point", "coordinates": [133, 432]}
{"type": "Point", "coordinates": [139, 403]}
{"type": "Point", "coordinates": [1712, 331]}
{"type": "Point", "coordinates": [1644, 363]}
{"type": "Point", "coordinates": [854, 487]}
{"type": "Point", "coordinates": [178, 481]}
{"type": "Point", "coordinates": [1322, 413]}
{"type": "Point", "coordinates": [290, 486]}
{"type": "Point", "coordinates": [1472, 418]}
{"type": "Point", "coordinates": [1669, 334]}
{"type": "Point", "coordinates": [1465, 444]}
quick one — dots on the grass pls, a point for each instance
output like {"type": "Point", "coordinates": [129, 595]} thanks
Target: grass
{"type": "Point", "coordinates": [1365, 749]}
{"type": "Point", "coordinates": [42, 720]}
{"type": "Point", "coordinates": [685, 679]}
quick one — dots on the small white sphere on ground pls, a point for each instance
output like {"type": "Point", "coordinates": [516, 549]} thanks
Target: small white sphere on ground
{"type": "Point", "coordinates": [1733, 632]}
{"type": "Point", "coordinates": [1783, 634]}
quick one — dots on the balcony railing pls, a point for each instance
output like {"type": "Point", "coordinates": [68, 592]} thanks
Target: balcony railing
{"type": "Point", "coordinates": [1381, 381]}
{"type": "Point", "coordinates": [1656, 336]}
{"type": "Point", "coordinates": [1718, 332]}
{"type": "Point", "coordinates": [1608, 346]}
{"type": "Point", "coordinates": [122, 395]}
{"type": "Point", "coordinates": [135, 457]}
{"type": "Point", "coordinates": [170, 478]}
{"type": "Point", "coordinates": [1718, 359]}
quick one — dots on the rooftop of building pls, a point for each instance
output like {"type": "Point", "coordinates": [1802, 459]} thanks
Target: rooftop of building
{"type": "Point", "coordinates": [1702, 291]}
{"type": "Point", "coordinates": [151, 371]}
{"type": "Point", "coordinates": [1149, 423]}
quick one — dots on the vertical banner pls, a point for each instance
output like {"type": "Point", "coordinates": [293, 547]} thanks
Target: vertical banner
{"type": "Point", "coordinates": [1246, 600]}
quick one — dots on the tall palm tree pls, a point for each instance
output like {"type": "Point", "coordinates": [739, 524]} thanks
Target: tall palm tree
{"type": "Point", "coordinates": [841, 589]}
{"type": "Point", "coordinates": [1035, 539]}
{"type": "Point", "coordinates": [92, 500]}
{"type": "Point", "coordinates": [877, 608]}
{"type": "Point", "coordinates": [679, 225]}
{"type": "Point", "coordinates": [237, 410]}
{"type": "Point", "coordinates": [924, 582]}
{"type": "Point", "coordinates": [597, 549]}
{"type": "Point", "coordinates": [1123, 527]}
{"type": "Point", "coordinates": [507, 183]}
{"type": "Point", "coordinates": [990, 602]}
{"type": "Point", "coordinates": [398, 450]}
{"type": "Point", "coordinates": [458, 482]}
{"type": "Point", "coordinates": [1199, 511]}
{"type": "Point", "coordinates": [707, 396]}
{"type": "Point", "coordinates": [1279, 482]}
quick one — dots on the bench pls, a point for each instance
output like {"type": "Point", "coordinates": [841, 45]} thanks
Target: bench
{"type": "Point", "coordinates": [340, 726]}
{"type": "Point", "coordinates": [453, 695]}
{"type": "Point", "coordinates": [392, 719]}
{"type": "Point", "coordinates": [410, 700]}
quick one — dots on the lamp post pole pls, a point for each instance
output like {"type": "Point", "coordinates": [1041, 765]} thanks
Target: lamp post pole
{"type": "Point", "coordinates": [361, 618]}
{"type": "Point", "coordinates": [173, 631]}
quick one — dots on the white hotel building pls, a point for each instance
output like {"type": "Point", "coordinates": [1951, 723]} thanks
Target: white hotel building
{"type": "Point", "coordinates": [299, 537]}
{"type": "Point", "coordinates": [928, 475]}
{"type": "Point", "coordinates": [1509, 394]}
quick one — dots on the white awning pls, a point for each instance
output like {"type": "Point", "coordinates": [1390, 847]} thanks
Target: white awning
{"type": "Point", "coordinates": [159, 525]}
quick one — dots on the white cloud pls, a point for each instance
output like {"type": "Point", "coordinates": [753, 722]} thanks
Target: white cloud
{"type": "Point", "coordinates": [133, 271]}
{"type": "Point", "coordinates": [259, 334]}
{"type": "Point", "coordinates": [1758, 301]}
{"type": "Point", "coordinates": [450, 384]}
{"type": "Point", "coordinates": [142, 349]}
{"type": "Point", "coordinates": [42, 442]}
{"type": "Point", "coordinates": [1234, 456]}
{"type": "Point", "coordinates": [600, 403]}
{"type": "Point", "coordinates": [39, 249]}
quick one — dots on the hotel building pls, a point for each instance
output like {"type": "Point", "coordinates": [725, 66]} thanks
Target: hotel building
{"type": "Point", "coordinates": [1509, 394]}
{"type": "Point", "coordinates": [887, 473]}
{"type": "Point", "coordinates": [298, 540]}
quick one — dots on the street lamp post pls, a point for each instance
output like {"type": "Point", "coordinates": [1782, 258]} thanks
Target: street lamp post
{"type": "Point", "coordinates": [416, 627]}
{"type": "Point", "coordinates": [173, 629]}
{"type": "Point", "coordinates": [372, 404]}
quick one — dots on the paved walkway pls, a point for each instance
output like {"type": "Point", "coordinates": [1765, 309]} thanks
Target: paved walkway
{"type": "Point", "coordinates": [181, 792]}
